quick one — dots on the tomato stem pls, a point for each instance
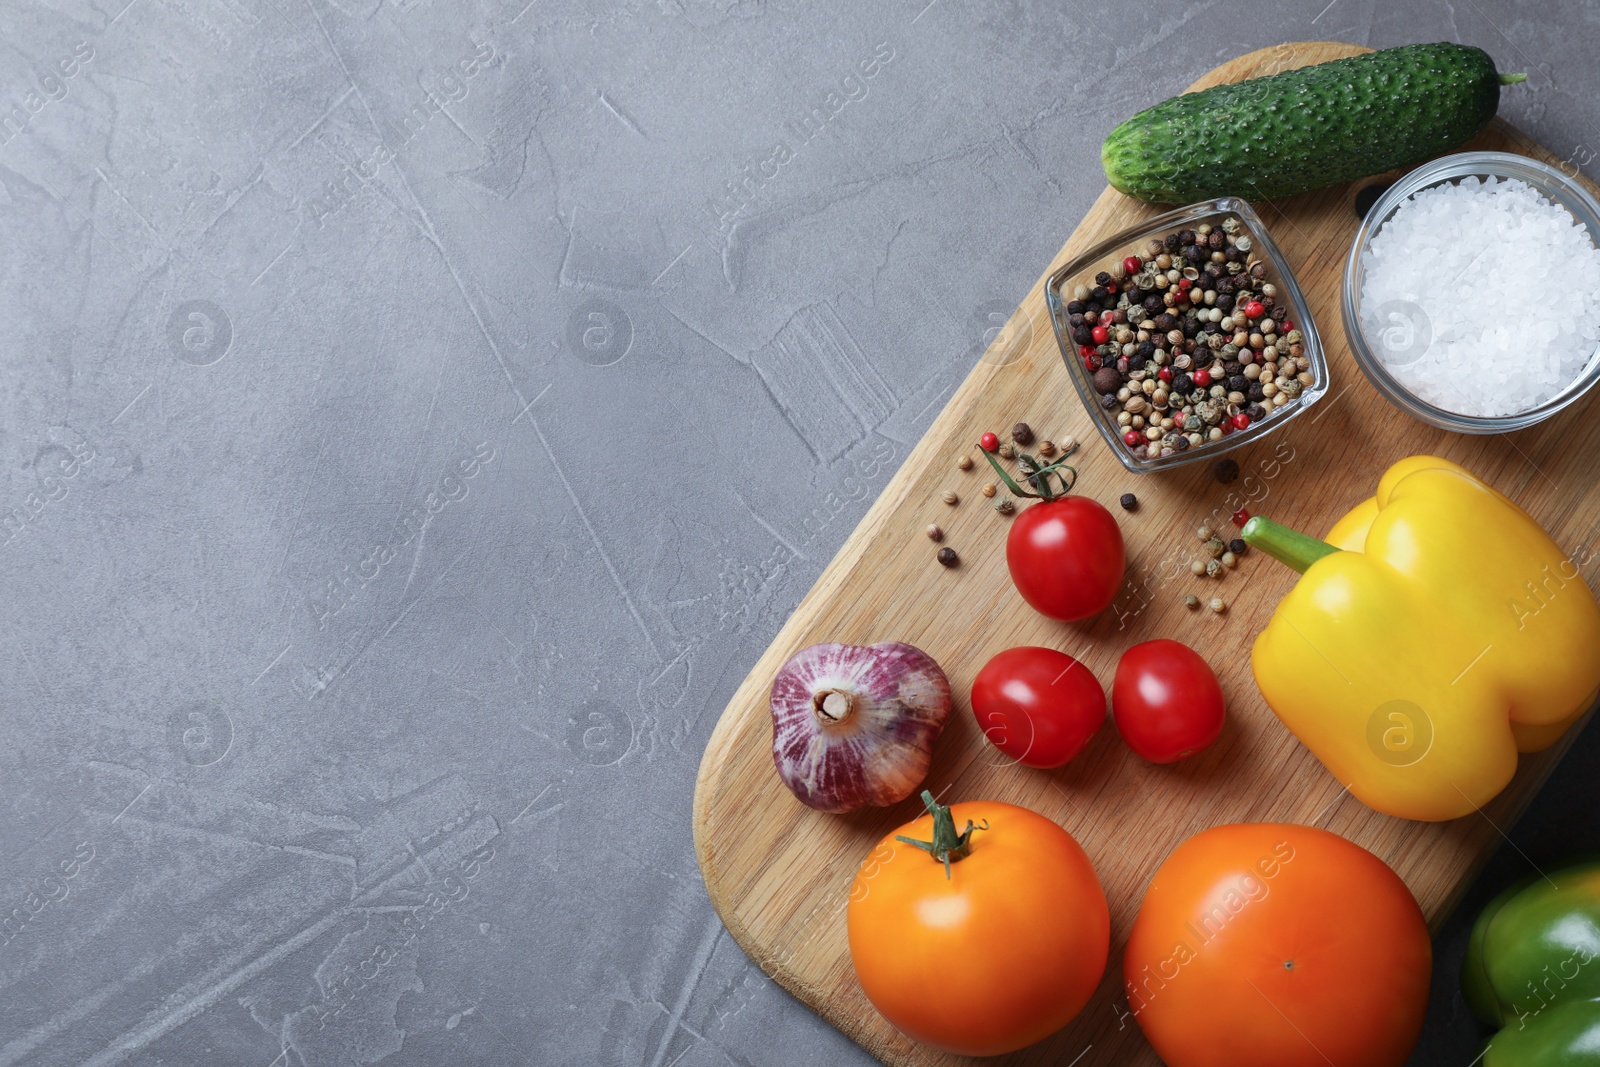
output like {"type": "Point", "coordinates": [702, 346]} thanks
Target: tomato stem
{"type": "Point", "coordinates": [947, 846]}
{"type": "Point", "coordinates": [1037, 473]}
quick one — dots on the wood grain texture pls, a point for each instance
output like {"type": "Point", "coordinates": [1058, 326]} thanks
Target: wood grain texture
{"type": "Point", "coordinates": [779, 873]}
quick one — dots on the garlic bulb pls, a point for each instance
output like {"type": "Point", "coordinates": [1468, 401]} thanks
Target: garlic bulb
{"type": "Point", "coordinates": [854, 725]}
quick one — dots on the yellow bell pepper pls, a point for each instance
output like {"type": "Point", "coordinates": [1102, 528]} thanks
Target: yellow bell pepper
{"type": "Point", "coordinates": [1435, 634]}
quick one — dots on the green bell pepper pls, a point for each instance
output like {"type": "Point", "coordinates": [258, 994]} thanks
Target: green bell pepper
{"type": "Point", "coordinates": [1533, 970]}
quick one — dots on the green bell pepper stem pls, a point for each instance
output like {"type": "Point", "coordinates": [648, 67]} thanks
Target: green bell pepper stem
{"type": "Point", "coordinates": [1287, 546]}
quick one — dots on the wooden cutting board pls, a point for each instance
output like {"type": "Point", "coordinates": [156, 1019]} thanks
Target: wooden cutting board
{"type": "Point", "coordinates": [779, 873]}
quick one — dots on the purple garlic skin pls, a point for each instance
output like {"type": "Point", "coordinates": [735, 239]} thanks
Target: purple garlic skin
{"type": "Point", "coordinates": [854, 725]}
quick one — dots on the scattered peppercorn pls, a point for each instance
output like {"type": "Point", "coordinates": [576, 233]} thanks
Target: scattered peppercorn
{"type": "Point", "coordinates": [1213, 568]}
{"type": "Point", "coordinates": [1241, 517]}
{"type": "Point", "coordinates": [1007, 451]}
{"type": "Point", "coordinates": [1238, 546]}
{"type": "Point", "coordinates": [1218, 605]}
{"type": "Point", "coordinates": [1022, 434]}
{"type": "Point", "coordinates": [1005, 505]}
{"type": "Point", "coordinates": [1197, 568]}
{"type": "Point", "coordinates": [1191, 602]}
{"type": "Point", "coordinates": [988, 489]}
{"type": "Point", "coordinates": [988, 442]}
{"type": "Point", "coordinates": [949, 497]}
{"type": "Point", "coordinates": [1204, 533]}
{"type": "Point", "coordinates": [1216, 547]}
{"type": "Point", "coordinates": [934, 533]}
{"type": "Point", "coordinates": [948, 557]}
{"type": "Point", "coordinates": [965, 463]}
{"type": "Point", "coordinates": [1229, 560]}
{"type": "Point", "coordinates": [1047, 449]}
{"type": "Point", "coordinates": [1225, 470]}
{"type": "Point", "coordinates": [1129, 501]}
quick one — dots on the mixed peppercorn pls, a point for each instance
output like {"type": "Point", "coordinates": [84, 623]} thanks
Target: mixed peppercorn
{"type": "Point", "coordinates": [1188, 343]}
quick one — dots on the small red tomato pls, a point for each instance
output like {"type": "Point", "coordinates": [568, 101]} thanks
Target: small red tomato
{"type": "Point", "coordinates": [1166, 701]}
{"type": "Point", "coordinates": [1131, 265]}
{"type": "Point", "coordinates": [1165, 374]}
{"type": "Point", "coordinates": [1202, 379]}
{"type": "Point", "coordinates": [1101, 335]}
{"type": "Point", "coordinates": [1254, 310]}
{"type": "Point", "coordinates": [1066, 555]}
{"type": "Point", "coordinates": [1241, 517]}
{"type": "Point", "coordinates": [1132, 438]}
{"type": "Point", "coordinates": [1240, 421]}
{"type": "Point", "coordinates": [988, 442]}
{"type": "Point", "coordinates": [1037, 705]}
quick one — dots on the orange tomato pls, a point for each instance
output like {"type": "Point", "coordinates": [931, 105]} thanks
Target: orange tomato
{"type": "Point", "coordinates": [1001, 953]}
{"type": "Point", "coordinates": [1269, 945]}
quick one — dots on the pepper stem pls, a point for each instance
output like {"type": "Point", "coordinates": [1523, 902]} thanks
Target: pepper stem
{"type": "Point", "coordinates": [1512, 79]}
{"type": "Point", "coordinates": [1285, 545]}
{"type": "Point", "coordinates": [947, 846]}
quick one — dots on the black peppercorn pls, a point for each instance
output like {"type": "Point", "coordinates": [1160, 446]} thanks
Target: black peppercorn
{"type": "Point", "coordinates": [1216, 240]}
{"type": "Point", "coordinates": [1146, 349]}
{"type": "Point", "coordinates": [1165, 321]}
{"type": "Point", "coordinates": [1195, 254]}
{"type": "Point", "coordinates": [1225, 470]}
{"type": "Point", "coordinates": [1183, 382]}
{"type": "Point", "coordinates": [1186, 237]}
{"type": "Point", "coordinates": [1102, 279]}
{"type": "Point", "coordinates": [1224, 300]}
{"type": "Point", "coordinates": [1257, 392]}
{"type": "Point", "coordinates": [1171, 243]}
{"type": "Point", "coordinates": [1268, 302]}
{"type": "Point", "coordinates": [1226, 284]}
{"type": "Point", "coordinates": [1022, 433]}
{"type": "Point", "coordinates": [948, 557]}
{"type": "Point", "coordinates": [1135, 295]}
{"type": "Point", "coordinates": [1238, 546]}
{"type": "Point", "coordinates": [1256, 412]}
{"type": "Point", "coordinates": [1100, 293]}
{"type": "Point", "coordinates": [1084, 335]}
{"type": "Point", "coordinates": [1180, 442]}
{"type": "Point", "coordinates": [1258, 271]}
{"type": "Point", "coordinates": [1215, 270]}
{"type": "Point", "coordinates": [1153, 305]}
{"type": "Point", "coordinates": [1109, 401]}
{"type": "Point", "coordinates": [1232, 367]}
{"type": "Point", "coordinates": [1190, 327]}
{"type": "Point", "coordinates": [1238, 383]}
{"type": "Point", "coordinates": [1231, 254]}
{"type": "Point", "coordinates": [1279, 313]}
{"type": "Point", "coordinates": [1075, 307]}
{"type": "Point", "coordinates": [1136, 362]}
{"type": "Point", "coordinates": [1129, 501]}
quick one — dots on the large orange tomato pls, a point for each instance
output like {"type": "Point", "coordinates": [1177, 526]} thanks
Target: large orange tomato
{"type": "Point", "coordinates": [991, 952]}
{"type": "Point", "coordinates": [1268, 945]}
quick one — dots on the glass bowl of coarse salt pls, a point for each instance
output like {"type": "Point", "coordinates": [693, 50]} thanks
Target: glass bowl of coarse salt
{"type": "Point", "coordinates": [1472, 293]}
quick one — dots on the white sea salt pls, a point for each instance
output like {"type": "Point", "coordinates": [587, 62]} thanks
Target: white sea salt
{"type": "Point", "coordinates": [1482, 298]}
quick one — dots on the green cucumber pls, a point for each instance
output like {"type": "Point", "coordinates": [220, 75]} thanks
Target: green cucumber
{"type": "Point", "coordinates": [1308, 128]}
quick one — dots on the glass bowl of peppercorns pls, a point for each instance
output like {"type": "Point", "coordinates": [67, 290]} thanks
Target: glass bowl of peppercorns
{"type": "Point", "coordinates": [1187, 336]}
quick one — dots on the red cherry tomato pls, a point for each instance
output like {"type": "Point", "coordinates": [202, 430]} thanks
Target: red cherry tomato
{"type": "Point", "coordinates": [1166, 701]}
{"type": "Point", "coordinates": [1037, 705]}
{"type": "Point", "coordinates": [1066, 557]}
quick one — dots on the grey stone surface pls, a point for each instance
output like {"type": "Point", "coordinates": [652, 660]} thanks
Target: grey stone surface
{"type": "Point", "coordinates": [416, 416]}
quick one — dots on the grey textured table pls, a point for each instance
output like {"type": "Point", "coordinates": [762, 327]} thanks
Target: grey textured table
{"type": "Point", "coordinates": [416, 415]}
